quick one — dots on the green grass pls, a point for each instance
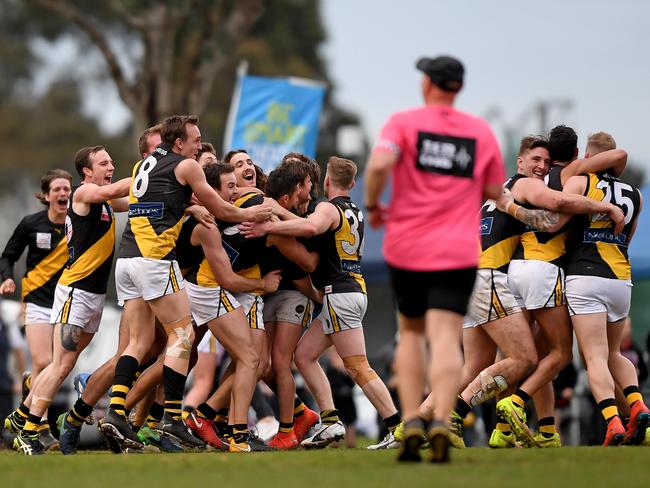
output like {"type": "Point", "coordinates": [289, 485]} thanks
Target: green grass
{"type": "Point", "coordinates": [477, 467]}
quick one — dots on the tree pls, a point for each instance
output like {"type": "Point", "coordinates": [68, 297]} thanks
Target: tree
{"type": "Point", "coordinates": [176, 56]}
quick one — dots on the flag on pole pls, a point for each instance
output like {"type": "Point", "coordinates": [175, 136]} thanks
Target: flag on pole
{"type": "Point", "coordinates": [270, 117]}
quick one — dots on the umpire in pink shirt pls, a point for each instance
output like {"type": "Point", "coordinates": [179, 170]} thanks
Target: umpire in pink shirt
{"type": "Point", "coordinates": [443, 164]}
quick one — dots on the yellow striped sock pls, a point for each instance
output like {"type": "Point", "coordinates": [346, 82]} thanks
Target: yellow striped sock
{"type": "Point", "coordinates": [634, 397]}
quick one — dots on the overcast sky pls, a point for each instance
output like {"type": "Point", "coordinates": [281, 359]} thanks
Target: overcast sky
{"type": "Point", "coordinates": [593, 53]}
{"type": "Point", "coordinates": [588, 59]}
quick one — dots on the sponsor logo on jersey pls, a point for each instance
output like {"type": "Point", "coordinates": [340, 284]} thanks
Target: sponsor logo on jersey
{"type": "Point", "coordinates": [151, 210]}
{"type": "Point", "coordinates": [604, 235]}
{"type": "Point", "coordinates": [485, 227]}
{"type": "Point", "coordinates": [350, 266]}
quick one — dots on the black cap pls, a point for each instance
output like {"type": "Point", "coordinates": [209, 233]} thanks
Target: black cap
{"type": "Point", "coordinates": [444, 71]}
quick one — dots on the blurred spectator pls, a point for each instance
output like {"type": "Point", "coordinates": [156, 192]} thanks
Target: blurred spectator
{"type": "Point", "coordinates": [10, 384]}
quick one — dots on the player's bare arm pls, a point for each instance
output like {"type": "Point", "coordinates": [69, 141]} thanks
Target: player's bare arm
{"type": "Point", "coordinates": [577, 185]}
{"type": "Point", "coordinates": [539, 218]}
{"type": "Point", "coordinates": [613, 160]}
{"type": "Point", "coordinates": [210, 241]}
{"type": "Point", "coordinates": [324, 218]}
{"type": "Point", "coordinates": [294, 251]}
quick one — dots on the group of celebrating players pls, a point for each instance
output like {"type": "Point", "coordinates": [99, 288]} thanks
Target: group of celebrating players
{"type": "Point", "coordinates": [218, 250]}
{"type": "Point", "coordinates": [211, 261]}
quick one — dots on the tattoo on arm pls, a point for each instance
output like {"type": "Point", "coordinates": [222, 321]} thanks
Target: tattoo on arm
{"type": "Point", "coordinates": [70, 337]}
{"type": "Point", "coordinates": [540, 219]}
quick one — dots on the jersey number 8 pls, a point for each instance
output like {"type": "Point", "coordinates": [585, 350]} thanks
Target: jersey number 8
{"type": "Point", "coordinates": [141, 181]}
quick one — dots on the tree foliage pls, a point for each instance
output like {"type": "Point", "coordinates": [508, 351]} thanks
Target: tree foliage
{"type": "Point", "coordinates": [164, 57]}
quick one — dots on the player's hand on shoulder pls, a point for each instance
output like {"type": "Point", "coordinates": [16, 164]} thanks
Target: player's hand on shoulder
{"type": "Point", "coordinates": [506, 198]}
{"type": "Point", "coordinates": [251, 230]}
{"type": "Point", "coordinates": [201, 214]}
{"type": "Point", "coordinates": [617, 216]}
{"type": "Point", "coordinates": [258, 213]}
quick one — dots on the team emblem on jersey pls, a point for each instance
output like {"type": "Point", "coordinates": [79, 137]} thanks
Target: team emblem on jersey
{"type": "Point", "coordinates": [43, 240]}
{"type": "Point", "coordinates": [106, 216]}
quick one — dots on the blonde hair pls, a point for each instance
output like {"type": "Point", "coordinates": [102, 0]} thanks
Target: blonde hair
{"type": "Point", "coordinates": [599, 142]}
{"type": "Point", "coordinates": [341, 171]}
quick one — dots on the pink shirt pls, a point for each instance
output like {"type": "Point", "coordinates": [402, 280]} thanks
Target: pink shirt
{"type": "Point", "coordinates": [446, 158]}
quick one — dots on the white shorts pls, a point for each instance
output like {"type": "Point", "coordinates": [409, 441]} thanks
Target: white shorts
{"type": "Point", "coordinates": [210, 345]}
{"type": "Point", "coordinates": [536, 284]}
{"type": "Point", "coordinates": [36, 314]}
{"type": "Point", "coordinates": [146, 278]}
{"type": "Point", "coordinates": [593, 294]}
{"type": "Point", "coordinates": [491, 299]}
{"type": "Point", "coordinates": [207, 304]}
{"type": "Point", "coordinates": [253, 305]}
{"type": "Point", "coordinates": [288, 306]}
{"type": "Point", "coordinates": [343, 311]}
{"type": "Point", "coordinates": [77, 307]}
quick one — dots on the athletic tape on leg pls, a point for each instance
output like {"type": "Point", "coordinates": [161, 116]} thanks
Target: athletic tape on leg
{"type": "Point", "coordinates": [182, 330]}
{"type": "Point", "coordinates": [491, 386]}
{"type": "Point", "coordinates": [359, 369]}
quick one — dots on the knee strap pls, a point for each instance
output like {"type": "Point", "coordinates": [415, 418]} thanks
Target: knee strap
{"type": "Point", "coordinates": [359, 369]}
{"type": "Point", "coordinates": [182, 330]}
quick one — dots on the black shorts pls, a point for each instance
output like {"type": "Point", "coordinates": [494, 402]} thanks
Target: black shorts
{"type": "Point", "coordinates": [418, 291]}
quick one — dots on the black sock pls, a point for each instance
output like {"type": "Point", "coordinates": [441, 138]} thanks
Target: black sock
{"type": "Point", "coordinates": [174, 384]}
{"type": "Point", "coordinates": [462, 408]}
{"type": "Point", "coordinates": [393, 421]}
{"type": "Point", "coordinates": [206, 411]}
{"type": "Point", "coordinates": [125, 370]}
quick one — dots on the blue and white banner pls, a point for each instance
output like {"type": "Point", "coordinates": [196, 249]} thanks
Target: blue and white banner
{"type": "Point", "coordinates": [270, 117]}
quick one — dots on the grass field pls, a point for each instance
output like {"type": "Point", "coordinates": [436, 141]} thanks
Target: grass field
{"type": "Point", "coordinates": [477, 467]}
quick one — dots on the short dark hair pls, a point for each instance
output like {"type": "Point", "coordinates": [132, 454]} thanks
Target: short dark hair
{"type": "Point", "coordinates": [82, 158]}
{"type": "Point", "coordinates": [214, 171]}
{"type": "Point", "coordinates": [312, 166]}
{"type": "Point", "coordinates": [230, 154]}
{"type": "Point", "coordinates": [143, 142]}
{"type": "Point", "coordinates": [562, 143]}
{"type": "Point", "coordinates": [47, 179]}
{"type": "Point", "coordinates": [174, 127]}
{"type": "Point", "coordinates": [528, 143]}
{"type": "Point", "coordinates": [282, 181]}
{"type": "Point", "coordinates": [206, 147]}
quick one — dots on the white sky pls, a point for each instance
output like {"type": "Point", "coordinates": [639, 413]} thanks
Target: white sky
{"type": "Point", "coordinates": [595, 53]}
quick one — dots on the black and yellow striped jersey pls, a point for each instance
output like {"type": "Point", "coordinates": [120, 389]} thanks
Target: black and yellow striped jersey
{"type": "Point", "coordinates": [499, 234]}
{"type": "Point", "coordinates": [594, 249]}
{"type": "Point", "coordinates": [188, 255]}
{"type": "Point", "coordinates": [339, 268]}
{"type": "Point", "coordinates": [246, 255]}
{"type": "Point", "coordinates": [157, 203]}
{"type": "Point", "coordinates": [545, 246]}
{"type": "Point", "coordinates": [91, 244]}
{"type": "Point", "coordinates": [47, 255]}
